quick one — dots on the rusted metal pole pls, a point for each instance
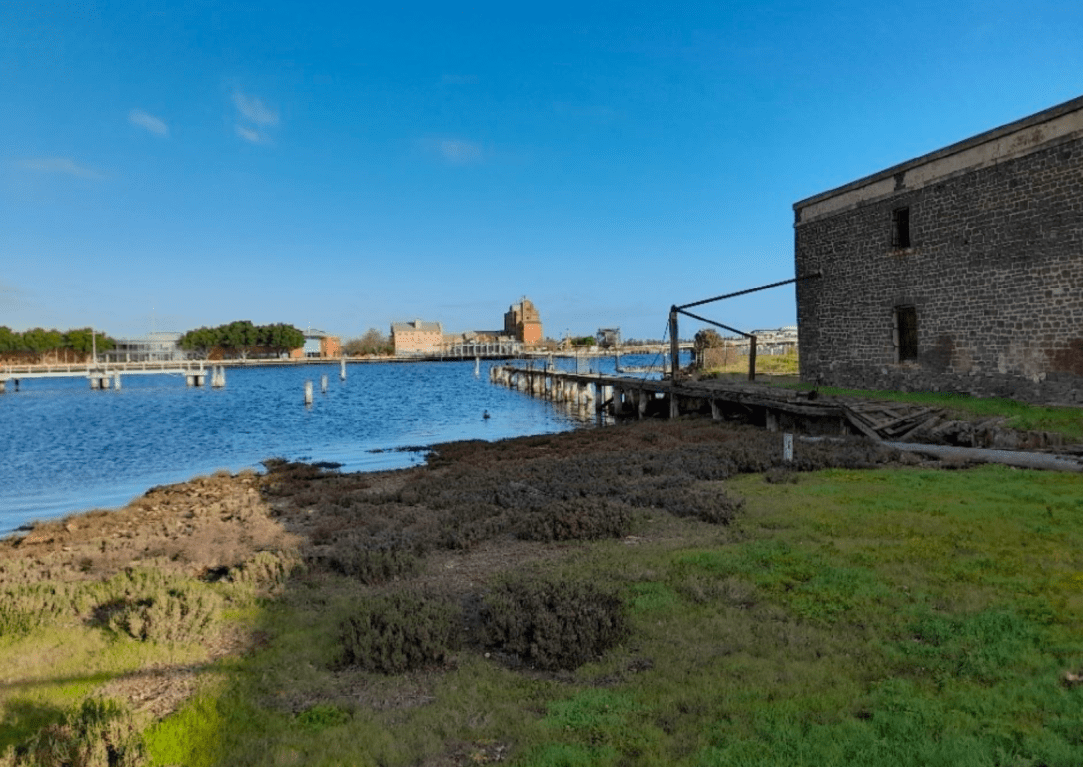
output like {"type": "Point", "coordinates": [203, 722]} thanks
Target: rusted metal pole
{"type": "Point", "coordinates": [752, 358]}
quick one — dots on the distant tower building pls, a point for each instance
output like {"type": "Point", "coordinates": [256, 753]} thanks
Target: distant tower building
{"type": "Point", "coordinates": [523, 322]}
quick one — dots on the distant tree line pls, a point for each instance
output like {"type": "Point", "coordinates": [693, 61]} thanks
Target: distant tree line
{"type": "Point", "coordinates": [242, 338]}
{"type": "Point", "coordinates": [36, 343]}
{"type": "Point", "coordinates": [372, 342]}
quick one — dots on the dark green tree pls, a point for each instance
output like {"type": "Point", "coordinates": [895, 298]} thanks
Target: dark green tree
{"type": "Point", "coordinates": [280, 337]}
{"type": "Point", "coordinates": [85, 340]}
{"type": "Point", "coordinates": [241, 337]}
{"type": "Point", "coordinates": [9, 340]}
{"type": "Point", "coordinates": [39, 340]}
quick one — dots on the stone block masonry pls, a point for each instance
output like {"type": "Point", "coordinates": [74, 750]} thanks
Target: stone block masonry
{"type": "Point", "coordinates": [958, 271]}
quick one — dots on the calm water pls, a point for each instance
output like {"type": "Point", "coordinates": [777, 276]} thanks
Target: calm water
{"type": "Point", "coordinates": [65, 448]}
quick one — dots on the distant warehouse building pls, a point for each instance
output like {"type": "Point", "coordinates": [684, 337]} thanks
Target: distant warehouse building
{"type": "Point", "coordinates": [318, 345]}
{"type": "Point", "coordinates": [417, 337]}
{"type": "Point", "coordinates": [158, 346]}
{"type": "Point", "coordinates": [960, 270]}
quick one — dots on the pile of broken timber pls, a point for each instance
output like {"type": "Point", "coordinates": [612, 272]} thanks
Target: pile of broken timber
{"type": "Point", "coordinates": [891, 421]}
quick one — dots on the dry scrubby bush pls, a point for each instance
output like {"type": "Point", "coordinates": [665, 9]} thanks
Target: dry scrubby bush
{"type": "Point", "coordinates": [578, 519]}
{"type": "Point", "coordinates": [368, 565]}
{"type": "Point", "coordinates": [552, 624]}
{"type": "Point", "coordinates": [172, 615]}
{"type": "Point", "coordinates": [579, 485]}
{"type": "Point", "coordinates": [266, 571]}
{"type": "Point", "coordinates": [145, 603]}
{"type": "Point", "coordinates": [99, 733]}
{"type": "Point", "coordinates": [709, 504]}
{"type": "Point", "coordinates": [400, 631]}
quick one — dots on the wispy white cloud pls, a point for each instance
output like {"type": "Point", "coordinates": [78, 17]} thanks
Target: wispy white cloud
{"type": "Point", "coordinates": [453, 79]}
{"type": "Point", "coordinates": [251, 135]}
{"type": "Point", "coordinates": [155, 125]}
{"type": "Point", "coordinates": [457, 151]}
{"type": "Point", "coordinates": [254, 110]}
{"type": "Point", "coordinates": [254, 117]}
{"type": "Point", "coordinates": [61, 165]}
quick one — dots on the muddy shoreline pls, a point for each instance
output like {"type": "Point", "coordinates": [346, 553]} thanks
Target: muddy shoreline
{"type": "Point", "coordinates": [216, 521]}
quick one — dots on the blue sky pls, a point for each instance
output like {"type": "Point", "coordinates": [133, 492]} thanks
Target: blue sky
{"type": "Point", "coordinates": [168, 165]}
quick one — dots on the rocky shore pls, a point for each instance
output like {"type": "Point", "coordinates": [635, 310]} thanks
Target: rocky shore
{"type": "Point", "coordinates": [469, 492]}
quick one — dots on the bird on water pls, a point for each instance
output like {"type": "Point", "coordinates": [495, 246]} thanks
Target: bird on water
{"type": "Point", "coordinates": [485, 415]}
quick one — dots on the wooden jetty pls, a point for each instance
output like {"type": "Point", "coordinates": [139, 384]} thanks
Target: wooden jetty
{"type": "Point", "coordinates": [776, 409]}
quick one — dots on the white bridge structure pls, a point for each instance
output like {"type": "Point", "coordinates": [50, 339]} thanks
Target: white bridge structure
{"type": "Point", "coordinates": [108, 375]}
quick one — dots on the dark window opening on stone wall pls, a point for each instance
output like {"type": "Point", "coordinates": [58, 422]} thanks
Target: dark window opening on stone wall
{"type": "Point", "coordinates": [900, 228]}
{"type": "Point", "coordinates": [906, 332]}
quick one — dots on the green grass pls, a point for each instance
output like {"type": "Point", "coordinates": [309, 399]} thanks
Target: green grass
{"type": "Point", "coordinates": [769, 364]}
{"type": "Point", "coordinates": [891, 617]}
{"type": "Point", "coordinates": [1067, 421]}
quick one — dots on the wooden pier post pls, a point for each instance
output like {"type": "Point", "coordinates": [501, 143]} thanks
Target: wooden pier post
{"type": "Point", "coordinates": [218, 377]}
{"type": "Point", "coordinates": [116, 380]}
{"type": "Point", "coordinates": [323, 384]}
{"type": "Point", "coordinates": [674, 349]}
{"type": "Point", "coordinates": [3, 385]}
{"type": "Point", "coordinates": [308, 392]}
{"type": "Point", "coordinates": [342, 369]}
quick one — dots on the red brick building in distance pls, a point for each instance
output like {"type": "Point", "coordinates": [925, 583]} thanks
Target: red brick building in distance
{"type": "Point", "coordinates": [523, 322]}
{"type": "Point", "coordinates": [318, 345]}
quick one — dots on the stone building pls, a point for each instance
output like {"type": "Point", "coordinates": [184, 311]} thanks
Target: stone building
{"type": "Point", "coordinates": [523, 322]}
{"type": "Point", "coordinates": [417, 337]}
{"type": "Point", "coordinates": [961, 270]}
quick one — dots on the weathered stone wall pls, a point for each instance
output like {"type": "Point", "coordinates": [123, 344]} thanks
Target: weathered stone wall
{"type": "Point", "coordinates": [995, 272]}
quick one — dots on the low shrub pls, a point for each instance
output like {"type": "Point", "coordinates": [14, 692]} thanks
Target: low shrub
{"type": "Point", "coordinates": [708, 504]}
{"type": "Point", "coordinates": [579, 519]}
{"type": "Point", "coordinates": [780, 476]}
{"type": "Point", "coordinates": [401, 631]}
{"type": "Point", "coordinates": [369, 565]}
{"type": "Point", "coordinates": [322, 716]}
{"type": "Point", "coordinates": [174, 615]}
{"type": "Point", "coordinates": [552, 624]}
{"type": "Point", "coordinates": [98, 733]}
{"type": "Point", "coordinates": [266, 570]}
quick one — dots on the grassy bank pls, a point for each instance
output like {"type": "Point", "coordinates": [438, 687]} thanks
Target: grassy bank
{"type": "Point", "coordinates": [892, 616]}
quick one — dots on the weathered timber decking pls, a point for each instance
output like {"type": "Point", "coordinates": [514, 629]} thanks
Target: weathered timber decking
{"type": "Point", "coordinates": [624, 396]}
